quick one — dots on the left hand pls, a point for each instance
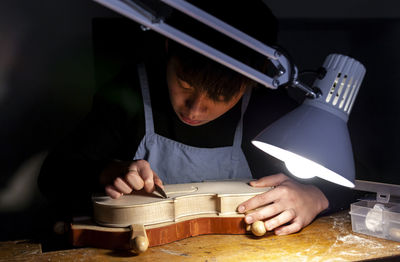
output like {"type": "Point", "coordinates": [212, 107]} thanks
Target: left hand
{"type": "Point", "coordinates": [287, 208]}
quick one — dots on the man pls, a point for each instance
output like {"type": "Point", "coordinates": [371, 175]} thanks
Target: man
{"type": "Point", "coordinates": [192, 120]}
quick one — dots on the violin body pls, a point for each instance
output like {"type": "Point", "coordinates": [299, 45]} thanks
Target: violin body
{"type": "Point", "coordinates": [191, 209]}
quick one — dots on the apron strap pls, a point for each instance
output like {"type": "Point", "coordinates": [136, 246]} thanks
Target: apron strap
{"type": "Point", "coordinates": [237, 141]}
{"type": "Point", "coordinates": [144, 85]}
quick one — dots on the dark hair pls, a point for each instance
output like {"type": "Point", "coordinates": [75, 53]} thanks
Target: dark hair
{"type": "Point", "coordinates": [251, 17]}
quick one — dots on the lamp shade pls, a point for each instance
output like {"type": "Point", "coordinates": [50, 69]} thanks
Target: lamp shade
{"type": "Point", "coordinates": [313, 140]}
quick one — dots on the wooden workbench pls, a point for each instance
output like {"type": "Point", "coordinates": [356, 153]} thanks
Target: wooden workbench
{"type": "Point", "coordinates": [328, 238]}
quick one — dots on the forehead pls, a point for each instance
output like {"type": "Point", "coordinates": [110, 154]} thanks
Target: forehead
{"type": "Point", "coordinates": [218, 84]}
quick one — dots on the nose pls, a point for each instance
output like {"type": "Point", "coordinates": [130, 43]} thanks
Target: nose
{"type": "Point", "coordinates": [197, 105]}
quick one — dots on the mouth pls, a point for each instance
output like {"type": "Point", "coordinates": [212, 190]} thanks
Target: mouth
{"type": "Point", "coordinates": [189, 121]}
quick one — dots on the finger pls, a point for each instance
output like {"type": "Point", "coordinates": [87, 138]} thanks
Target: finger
{"type": "Point", "coordinates": [147, 174]}
{"type": "Point", "coordinates": [259, 200]}
{"type": "Point", "coordinates": [112, 192]}
{"type": "Point", "coordinates": [134, 180]}
{"type": "Point", "coordinates": [264, 213]}
{"type": "Point", "coordinates": [122, 186]}
{"type": "Point", "coordinates": [294, 227]}
{"type": "Point", "coordinates": [269, 181]}
{"type": "Point", "coordinates": [280, 220]}
{"type": "Point", "coordinates": [157, 180]}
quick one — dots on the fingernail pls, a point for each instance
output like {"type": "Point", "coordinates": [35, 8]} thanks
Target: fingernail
{"type": "Point", "coordinates": [249, 220]}
{"type": "Point", "coordinates": [241, 209]}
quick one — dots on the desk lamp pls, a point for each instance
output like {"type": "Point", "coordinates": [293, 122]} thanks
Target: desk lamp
{"type": "Point", "coordinates": [312, 140]}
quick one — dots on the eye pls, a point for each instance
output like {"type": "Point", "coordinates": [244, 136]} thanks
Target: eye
{"type": "Point", "coordinates": [221, 99]}
{"type": "Point", "coordinates": [184, 85]}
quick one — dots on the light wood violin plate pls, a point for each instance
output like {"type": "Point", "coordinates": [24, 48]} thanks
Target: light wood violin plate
{"type": "Point", "coordinates": [219, 198]}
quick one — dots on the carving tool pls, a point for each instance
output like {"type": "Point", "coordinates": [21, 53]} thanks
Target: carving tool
{"type": "Point", "coordinates": [160, 191]}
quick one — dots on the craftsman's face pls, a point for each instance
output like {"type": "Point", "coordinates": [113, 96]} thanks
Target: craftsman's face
{"type": "Point", "coordinates": [195, 108]}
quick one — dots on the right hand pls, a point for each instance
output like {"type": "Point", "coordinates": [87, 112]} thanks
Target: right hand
{"type": "Point", "coordinates": [123, 177]}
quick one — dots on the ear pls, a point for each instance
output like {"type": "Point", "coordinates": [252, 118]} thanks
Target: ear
{"type": "Point", "coordinates": [244, 87]}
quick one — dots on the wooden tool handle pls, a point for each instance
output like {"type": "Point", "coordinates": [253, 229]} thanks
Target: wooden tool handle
{"type": "Point", "coordinates": [139, 241]}
{"type": "Point", "coordinates": [258, 228]}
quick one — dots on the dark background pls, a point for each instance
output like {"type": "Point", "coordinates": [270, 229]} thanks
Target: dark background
{"type": "Point", "coordinates": [47, 83]}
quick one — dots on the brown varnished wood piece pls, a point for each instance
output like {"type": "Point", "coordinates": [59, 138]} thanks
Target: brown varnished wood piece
{"type": "Point", "coordinates": [85, 234]}
{"type": "Point", "coordinates": [196, 227]}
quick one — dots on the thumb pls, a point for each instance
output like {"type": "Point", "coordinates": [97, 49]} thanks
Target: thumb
{"type": "Point", "coordinates": [269, 181]}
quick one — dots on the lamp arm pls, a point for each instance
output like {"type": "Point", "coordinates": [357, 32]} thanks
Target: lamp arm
{"type": "Point", "coordinates": [144, 14]}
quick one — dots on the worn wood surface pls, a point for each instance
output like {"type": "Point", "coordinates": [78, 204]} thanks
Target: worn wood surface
{"type": "Point", "coordinates": [21, 249]}
{"type": "Point", "coordinates": [329, 238]}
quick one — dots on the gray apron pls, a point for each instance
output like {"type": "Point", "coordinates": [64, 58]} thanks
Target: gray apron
{"type": "Point", "coordinates": [175, 162]}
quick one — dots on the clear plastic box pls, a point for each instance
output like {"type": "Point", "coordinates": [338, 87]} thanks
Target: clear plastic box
{"type": "Point", "coordinates": [376, 219]}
